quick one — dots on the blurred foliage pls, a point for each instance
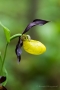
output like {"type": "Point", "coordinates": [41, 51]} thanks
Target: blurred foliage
{"type": "Point", "coordinates": [33, 72]}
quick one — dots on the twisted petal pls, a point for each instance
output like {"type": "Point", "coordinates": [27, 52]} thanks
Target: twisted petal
{"type": "Point", "coordinates": [18, 49]}
{"type": "Point", "coordinates": [34, 23]}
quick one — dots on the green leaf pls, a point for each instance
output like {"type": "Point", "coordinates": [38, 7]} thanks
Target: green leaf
{"type": "Point", "coordinates": [7, 32]}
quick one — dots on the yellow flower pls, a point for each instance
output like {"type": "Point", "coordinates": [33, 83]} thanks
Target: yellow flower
{"type": "Point", "coordinates": [32, 46]}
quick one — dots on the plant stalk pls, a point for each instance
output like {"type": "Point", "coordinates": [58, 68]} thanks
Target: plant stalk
{"type": "Point", "coordinates": [15, 36]}
{"type": "Point", "coordinates": [11, 38]}
{"type": "Point", "coordinates": [4, 58]}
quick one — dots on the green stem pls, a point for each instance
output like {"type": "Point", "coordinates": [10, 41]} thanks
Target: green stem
{"type": "Point", "coordinates": [15, 36]}
{"type": "Point", "coordinates": [11, 38]}
{"type": "Point", "coordinates": [4, 57]}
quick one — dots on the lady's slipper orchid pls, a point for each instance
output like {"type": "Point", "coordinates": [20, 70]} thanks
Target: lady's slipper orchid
{"type": "Point", "coordinates": [31, 46]}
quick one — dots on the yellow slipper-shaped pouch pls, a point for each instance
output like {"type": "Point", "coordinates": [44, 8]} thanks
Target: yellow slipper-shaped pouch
{"type": "Point", "coordinates": [34, 47]}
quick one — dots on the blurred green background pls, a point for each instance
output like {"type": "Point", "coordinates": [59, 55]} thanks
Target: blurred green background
{"type": "Point", "coordinates": [40, 72]}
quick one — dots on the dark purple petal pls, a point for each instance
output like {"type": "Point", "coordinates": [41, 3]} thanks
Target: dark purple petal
{"type": "Point", "coordinates": [40, 21]}
{"type": "Point", "coordinates": [18, 53]}
{"type": "Point", "coordinates": [2, 79]}
{"type": "Point", "coordinates": [2, 87]}
{"type": "Point", "coordinates": [34, 23]}
{"type": "Point", "coordinates": [18, 49]}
